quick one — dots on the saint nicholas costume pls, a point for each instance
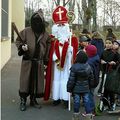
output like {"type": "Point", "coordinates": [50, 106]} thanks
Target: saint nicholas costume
{"type": "Point", "coordinates": [62, 55]}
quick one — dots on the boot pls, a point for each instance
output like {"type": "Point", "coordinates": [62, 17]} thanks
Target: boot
{"type": "Point", "coordinates": [56, 102]}
{"type": "Point", "coordinates": [76, 116]}
{"type": "Point", "coordinates": [34, 103]}
{"type": "Point", "coordinates": [89, 117]}
{"type": "Point", "coordinates": [23, 104]}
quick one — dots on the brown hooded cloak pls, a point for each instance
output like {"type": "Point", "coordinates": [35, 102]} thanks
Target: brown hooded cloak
{"type": "Point", "coordinates": [32, 66]}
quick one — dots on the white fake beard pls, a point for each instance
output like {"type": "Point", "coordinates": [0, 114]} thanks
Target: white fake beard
{"type": "Point", "coordinates": [62, 33]}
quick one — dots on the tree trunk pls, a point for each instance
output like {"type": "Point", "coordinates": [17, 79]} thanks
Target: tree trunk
{"type": "Point", "coordinates": [94, 15]}
{"type": "Point", "coordinates": [84, 7]}
{"type": "Point", "coordinates": [71, 5]}
{"type": "Point", "coordinates": [87, 14]}
{"type": "Point", "coordinates": [58, 2]}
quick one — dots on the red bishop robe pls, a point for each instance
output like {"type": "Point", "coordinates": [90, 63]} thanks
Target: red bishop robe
{"type": "Point", "coordinates": [48, 80]}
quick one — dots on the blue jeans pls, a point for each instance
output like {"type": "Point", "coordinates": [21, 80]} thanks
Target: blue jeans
{"type": "Point", "coordinates": [86, 100]}
{"type": "Point", "coordinates": [92, 101]}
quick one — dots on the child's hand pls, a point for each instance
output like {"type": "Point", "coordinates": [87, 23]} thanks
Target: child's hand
{"type": "Point", "coordinates": [103, 62]}
{"type": "Point", "coordinates": [112, 63]}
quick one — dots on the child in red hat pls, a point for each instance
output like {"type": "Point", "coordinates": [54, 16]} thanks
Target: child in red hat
{"type": "Point", "coordinates": [94, 62]}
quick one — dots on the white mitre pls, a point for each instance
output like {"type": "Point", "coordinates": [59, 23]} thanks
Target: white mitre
{"type": "Point", "coordinates": [61, 32]}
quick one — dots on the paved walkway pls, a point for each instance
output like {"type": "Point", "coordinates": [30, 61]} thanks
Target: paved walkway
{"type": "Point", "coordinates": [10, 99]}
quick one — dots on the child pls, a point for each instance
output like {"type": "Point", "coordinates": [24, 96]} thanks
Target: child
{"type": "Point", "coordinates": [108, 63]}
{"type": "Point", "coordinates": [80, 80]}
{"type": "Point", "coordinates": [94, 62]}
{"type": "Point", "coordinates": [116, 48]}
{"type": "Point", "coordinates": [98, 42]}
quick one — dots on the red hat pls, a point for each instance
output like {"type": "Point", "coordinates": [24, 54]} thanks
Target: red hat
{"type": "Point", "coordinates": [91, 50]}
{"type": "Point", "coordinates": [60, 15]}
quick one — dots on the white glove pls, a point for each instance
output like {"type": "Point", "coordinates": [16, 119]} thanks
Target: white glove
{"type": "Point", "coordinates": [25, 47]}
{"type": "Point", "coordinates": [54, 57]}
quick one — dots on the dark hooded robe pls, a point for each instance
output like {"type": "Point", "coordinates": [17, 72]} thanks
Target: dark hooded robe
{"type": "Point", "coordinates": [33, 60]}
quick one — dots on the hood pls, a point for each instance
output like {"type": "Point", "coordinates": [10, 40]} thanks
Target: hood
{"type": "Point", "coordinates": [37, 22]}
{"type": "Point", "coordinates": [81, 69]}
{"type": "Point", "coordinates": [40, 13]}
{"type": "Point", "coordinates": [94, 60]}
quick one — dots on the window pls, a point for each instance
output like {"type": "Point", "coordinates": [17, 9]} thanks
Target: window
{"type": "Point", "coordinates": [4, 29]}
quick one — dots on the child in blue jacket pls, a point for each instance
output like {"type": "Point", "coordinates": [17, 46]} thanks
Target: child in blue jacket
{"type": "Point", "coordinates": [80, 80]}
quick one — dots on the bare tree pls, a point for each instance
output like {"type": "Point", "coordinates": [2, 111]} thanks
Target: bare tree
{"type": "Point", "coordinates": [111, 10]}
{"type": "Point", "coordinates": [71, 5]}
{"type": "Point", "coordinates": [64, 3]}
{"type": "Point", "coordinates": [94, 15]}
{"type": "Point", "coordinates": [86, 7]}
{"type": "Point", "coordinates": [80, 11]}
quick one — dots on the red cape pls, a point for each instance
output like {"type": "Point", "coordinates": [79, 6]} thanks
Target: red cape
{"type": "Point", "coordinates": [49, 71]}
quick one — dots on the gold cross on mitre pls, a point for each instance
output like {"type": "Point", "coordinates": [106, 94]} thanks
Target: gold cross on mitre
{"type": "Point", "coordinates": [59, 15]}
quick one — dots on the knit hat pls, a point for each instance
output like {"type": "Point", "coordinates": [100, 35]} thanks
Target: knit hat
{"type": "Point", "coordinates": [83, 38]}
{"type": "Point", "coordinates": [81, 57]}
{"type": "Point", "coordinates": [96, 35]}
{"type": "Point", "coordinates": [91, 50]}
{"type": "Point", "coordinates": [117, 41]}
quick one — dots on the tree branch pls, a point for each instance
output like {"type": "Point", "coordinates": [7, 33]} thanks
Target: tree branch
{"type": "Point", "coordinates": [79, 11]}
{"type": "Point", "coordinates": [67, 2]}
{"type": "Point", "coordinates": [56, 3]}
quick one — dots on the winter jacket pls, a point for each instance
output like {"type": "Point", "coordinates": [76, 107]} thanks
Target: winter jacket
{"type": "Point", "coordinates": [94, 62]}
{"type": "Point", "coordinates": [108, 55]}
{"type": "Point", "coordinates": [80, 79]}
{"type": "Point", "coordinates": [99, 45]}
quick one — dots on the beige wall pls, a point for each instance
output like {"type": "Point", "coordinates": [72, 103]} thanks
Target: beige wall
{"type": "Point", "coordinates": [5, 52]}
{"type": "Point", "coordinates": [6, 44]}
{"type": "Point", "coordinates": [17, 15]}
{"type": "Point", "coordinates": [0, 35]}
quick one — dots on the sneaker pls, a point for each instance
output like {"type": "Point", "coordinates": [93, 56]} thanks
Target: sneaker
{"type": "Point", "coordinates": [84, 114]}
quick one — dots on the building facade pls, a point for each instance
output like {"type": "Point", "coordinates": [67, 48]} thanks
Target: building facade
{"type": "Point", "coordinates": [11, 11]}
